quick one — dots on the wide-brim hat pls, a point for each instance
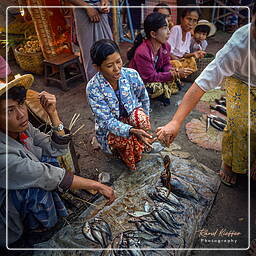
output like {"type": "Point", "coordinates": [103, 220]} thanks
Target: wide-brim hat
{"type": "Point", "coordinates": [25, 80]}
{"type": "Point", "coordinates": [212, 27]}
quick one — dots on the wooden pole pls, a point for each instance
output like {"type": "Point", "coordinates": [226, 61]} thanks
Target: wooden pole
{"type": "Point", "coordinates": [115, 21]}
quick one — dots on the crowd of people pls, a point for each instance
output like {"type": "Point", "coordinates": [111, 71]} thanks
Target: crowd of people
{"type": "Point", "coordinates": [119, 98]}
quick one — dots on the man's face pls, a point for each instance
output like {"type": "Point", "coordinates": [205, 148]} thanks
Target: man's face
{"type": "Point", "coordinates": [17, 117]}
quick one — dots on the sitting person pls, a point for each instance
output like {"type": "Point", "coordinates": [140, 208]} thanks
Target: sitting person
{"type": "Point", "coordinates": [180, 40]}
{"type": "Point", "coordinates": [166, 10]}
{"type": "Point", "coordinates": [150, 57]}
{"type": "Point", "coordinates": [202, 30]}
{"type": "Point", "coordinates": [120, 103]}
{"type": "Point", "coordinates": [34, 176]}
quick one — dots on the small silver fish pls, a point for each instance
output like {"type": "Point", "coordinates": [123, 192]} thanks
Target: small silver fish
{"type": "Point", "coordinates": [138, 214]}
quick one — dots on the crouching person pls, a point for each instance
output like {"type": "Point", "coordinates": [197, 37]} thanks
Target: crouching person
{"type": "Point", "coordinates": [33, 176]}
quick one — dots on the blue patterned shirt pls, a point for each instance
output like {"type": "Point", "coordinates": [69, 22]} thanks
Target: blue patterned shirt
{"type": "Point", "coordinates": [105, 104]}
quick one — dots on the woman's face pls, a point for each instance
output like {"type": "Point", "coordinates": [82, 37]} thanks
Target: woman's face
{"type": "Point", "coordinates": [162, 34]}
{"type": "Point", "coordinates": [168, 14]}
{"type": "Point", "coordinates": [189, 21]}
{"type": "Point", "coordinates": [111, 67]}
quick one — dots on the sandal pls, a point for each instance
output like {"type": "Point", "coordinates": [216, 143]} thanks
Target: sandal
{"type": "Point", "coordinates": [228, 175]}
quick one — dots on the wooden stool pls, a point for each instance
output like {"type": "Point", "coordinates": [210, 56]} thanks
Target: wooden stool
{"type": "Point", "coordinates": [62, 69]}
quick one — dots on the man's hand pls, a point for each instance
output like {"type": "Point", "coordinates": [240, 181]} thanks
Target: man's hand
{"type": "Point", "coordinates": [168, 133]}
{"type": "Point", "coordinates": [88, 184]}
{"type": "Point", "coordinates": [142, 135]}
{"type": "Point", "coordinates": [93, 14]}
{"type": "Point", "coordinates": [108, 192]}
{"type": "Point", "coordinates": [48, 102]}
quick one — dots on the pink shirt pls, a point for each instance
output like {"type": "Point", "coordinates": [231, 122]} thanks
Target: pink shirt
{"type": "Point", "coordinates": [3, 67]}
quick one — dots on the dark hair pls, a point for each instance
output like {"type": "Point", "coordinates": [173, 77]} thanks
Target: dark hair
{"type": "Point", "coordinates": [254, 9]}
{"type": "Point", "coordinates": [202, 28]}
{"type": "Point", "coordinates": [187, 11]}
{"type": "Point", "coordinates": [153, 22]}
{"type": "Point", "coordinates": [101, 49]}
{"type": "Point", "coordinates": [17, 93]}
{"type": "Point", "coordinates": [162, 6]}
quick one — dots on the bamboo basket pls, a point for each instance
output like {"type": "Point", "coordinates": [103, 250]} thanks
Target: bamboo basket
{"type": "Point", "coordinates": [31, 62]}
{"type": "Point", "coordinates": [201, 65]}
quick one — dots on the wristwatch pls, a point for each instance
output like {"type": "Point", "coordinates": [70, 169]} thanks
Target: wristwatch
{"type": "Point", "coordinates": [58, 128]}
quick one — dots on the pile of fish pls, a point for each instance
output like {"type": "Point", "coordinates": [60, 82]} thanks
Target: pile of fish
{"type": "Point", "coordinates": [98, 231]}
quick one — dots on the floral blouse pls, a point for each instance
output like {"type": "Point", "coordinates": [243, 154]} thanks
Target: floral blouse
{"type": "Point", "coordinates": [105, 104]}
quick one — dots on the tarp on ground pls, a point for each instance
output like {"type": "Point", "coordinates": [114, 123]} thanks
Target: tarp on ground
{"type": "Point", "coordinates": [141, 192]}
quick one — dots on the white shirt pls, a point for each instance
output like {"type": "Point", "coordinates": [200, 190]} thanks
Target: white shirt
{"type": "Point", "coordinates": [194, 46]}
{"type": "Point", "coordinates": [179, 47]}
{"type": "Point", "coordinates": [231, 60]}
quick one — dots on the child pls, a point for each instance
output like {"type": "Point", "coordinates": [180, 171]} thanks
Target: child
{"type": "Point", "coordinates": [202, 30]}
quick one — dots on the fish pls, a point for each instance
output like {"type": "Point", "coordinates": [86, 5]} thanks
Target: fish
{"type": "Point", "coordinates": [157, 217]}
{"type": "Point", "coordinates": [170, 208]}
{"type": "Point", "coordinates": [117, 241]}
{"type": "Point", "coordinates": [138, 238]}
{"type": "Point", "coordinates": [97, 235]}
{"type": "Point", "coordinates": [87, 232]}
{"type": "Point", "coordinates": [168, 218]}
{"type": "Point", "coordinates": [160, 194]}
{"type": "Point", "coordinates": [147, 207]}
{"type": "Point", "coordinates": [183, 188]}
{"type": "Point", "coordinates": [138, 214]}
{"type": "Point", "coordinates": [103, 226]}
{"type": "Point", "coordinates": [164, 192]}
{"type": "Point", "coordinates": [157, 228]}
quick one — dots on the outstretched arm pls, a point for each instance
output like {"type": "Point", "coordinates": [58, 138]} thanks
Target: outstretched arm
{"type": "Point", "coordinates": [83, 183]}
{"type": "Point", "coordinates": [167, 133]}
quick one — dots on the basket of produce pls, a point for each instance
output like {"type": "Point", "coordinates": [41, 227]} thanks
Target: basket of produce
{"type": "Point", "coordinates": [201, 65]}
{"type": "Point", "coordinates": [29, 56]}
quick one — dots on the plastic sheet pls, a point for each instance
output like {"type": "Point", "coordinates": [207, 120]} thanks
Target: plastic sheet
{"type": "Point", "coordinates": [137, 194]}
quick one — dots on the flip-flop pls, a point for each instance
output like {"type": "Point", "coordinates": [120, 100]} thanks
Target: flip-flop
{"type": "Point", "coordinates": [229, 184]}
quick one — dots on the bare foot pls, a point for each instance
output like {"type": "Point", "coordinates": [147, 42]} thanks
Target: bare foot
{"type": "Point", "coordinates": [252, 250]}
{"type": "Point", "coordinates": [228, 177]}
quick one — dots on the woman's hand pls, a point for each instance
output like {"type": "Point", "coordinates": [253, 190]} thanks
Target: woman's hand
{"type": "Point", "coordinates": [184, 72]}
{"type": "Point", "coordinates": [143, 136]}
{"type": "Point", "coordinates": [93, 14]}
{"type": "Point", "coordinates": [168, 133]}
{"type": "Point", "coordinates": [199, 54]}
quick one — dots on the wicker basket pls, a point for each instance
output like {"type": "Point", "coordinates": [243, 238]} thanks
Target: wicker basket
{"type": "Point", "coordinates": [201, 65]}
{"type": "Point", "coordinates": [31, 62]}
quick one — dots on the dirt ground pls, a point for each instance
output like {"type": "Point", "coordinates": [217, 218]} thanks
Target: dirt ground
{"type": "Point", "coordinates": [230, 210]}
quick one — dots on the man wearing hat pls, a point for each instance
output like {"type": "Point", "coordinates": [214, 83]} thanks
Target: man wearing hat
{"type": "Point", "coordinates": [33, 174]}
{"type": "Point", "coordinates": [202, 30]}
